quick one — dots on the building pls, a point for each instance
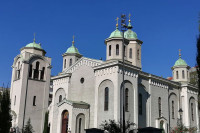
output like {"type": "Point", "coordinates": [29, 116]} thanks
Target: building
{"type": "Point", "coordinates": [88, 91]}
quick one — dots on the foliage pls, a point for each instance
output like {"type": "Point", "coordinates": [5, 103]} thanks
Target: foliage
{"type": "Point", "coordinates": [46, 122]}
{"type": "Point", "coordinates": [182, 129]}
{"type": "Point", "coordinates": [114, 127]}
{"type": "Point", "coordinates": [28, 127]}
{"type": "Point", "coordinates": [5, 112]}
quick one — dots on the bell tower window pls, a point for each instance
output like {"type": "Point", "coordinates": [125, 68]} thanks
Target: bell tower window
{"type": "Point", "coordinates": [177, 75]}
{"type": "Point", "coordinates": [42, 73]}
{"type": "Point", "coordinates": [65, 63]}
{"type": "Point", "coordinates": [109, 50]}
{"type": "Point", "coordinates": [183, 74]}
{"type": "Point", "coordinates": [36, 72]}
{"type": "Point", "coordinates": [30, 70]}
{"type": "Point", "coordinates": [130, 53]}
{"type": "Point", "coordinates": [70, 62]}
{"type": "Point", "coordinates": [117, 49]}
{"type": "Point", "coordinates": [138, 54]}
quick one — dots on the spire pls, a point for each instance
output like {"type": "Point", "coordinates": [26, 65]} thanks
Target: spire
{"type": "Point", "coordinates": [34, 37]}
{"type": "Point", "coordinates": [117, 22]}
{"type": "Point", "coordinates": [73, 41]}
{"type": "Point", "coordinates": [179, 53]}
{"type": "Point", "coordinates": [129, 24]}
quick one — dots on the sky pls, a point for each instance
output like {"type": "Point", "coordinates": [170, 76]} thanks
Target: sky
{"type": "Point", "coordinates": [163, 26]}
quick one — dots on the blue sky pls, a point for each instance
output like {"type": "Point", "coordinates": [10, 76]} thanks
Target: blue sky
{"type": "Point", "coordinates": [163, 26]}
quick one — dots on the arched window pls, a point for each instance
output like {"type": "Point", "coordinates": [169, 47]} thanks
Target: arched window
{"type": "Point", "coordinates": [117, 49]}
{"type": "Point", "coordinates": [18, 71]}
{"type": "Point", "coordinates": [176, 74]}
{"type": "Point", "coordinates": [140, 104]}
{"type": "Point", "coordinates": [109, 50]}
{"type": "Point", "coordinates": [126, 99]}
{"type": "Point", "coordinates": [106, 99]}
{"type": "Point", "coordinates": [159, 106]}
{"type": "Point", "coordinates": [30, 71]}
{"type": "Point", "coordinates": [192, 111]}
{"type": "Point", "coordinates": [34, 101]}
{"type": "Point", "coordinates": [161, 125]}
{"type": "Point", "coordinates": [183, 74]}
{"type": "Point", "coordinates": [36, 72]}
{"type": "Point", "coordinates": [79, 128]}
{"type": "Point", "coordinates": [130, 53]}
{"type": "Point", "coordinates": [70, 62]}
{"type": "Point", "coordinates": [138, 54]}
{"type": "Point", "coordinates": [65, 63]}
{"type": "Point", "coordinates": [60, 98]}
{"type": "Point", "coordinates": [15, 100]}
{"type": "Point", "coordinates": [65, 120]}
{"type": "Point", "coordinates": [42, 73]}
{"type": "Point", "coordinates": [172, 109]}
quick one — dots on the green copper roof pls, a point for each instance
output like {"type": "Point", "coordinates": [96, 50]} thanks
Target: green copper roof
{"type": "Point", "coordinates": [180, 62]}
{"type": "Point", "coordinates": [73, 50]}
{"type": "Point", "coordinates": [116, 33]}
{"type": "Point", "coordinates": [33, 44]}
{"type": "Point", "coordinates": [129, 34]}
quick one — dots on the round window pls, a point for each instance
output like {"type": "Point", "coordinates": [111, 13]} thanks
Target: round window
{"type": "Point", "coordinates": [82, 80]}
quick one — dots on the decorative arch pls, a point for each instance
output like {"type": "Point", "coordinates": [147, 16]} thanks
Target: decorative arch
{"type": "Point", "coordinates": [65, 121]}
{"type": "Point", "coordinates": [33, 57]}
{"type": "Point", "coordinates": [192, 110]}
{"type": "Point", "coordinates": [59, 94]}
{"type": "Point", "coordinates": [80, 123]}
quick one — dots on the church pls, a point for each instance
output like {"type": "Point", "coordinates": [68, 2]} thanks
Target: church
{"type": "Point", "coordinates": [89, 91]}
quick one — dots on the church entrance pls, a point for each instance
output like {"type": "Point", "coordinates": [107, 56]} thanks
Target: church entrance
{"type": "Point", "coordinates": [65, 120]}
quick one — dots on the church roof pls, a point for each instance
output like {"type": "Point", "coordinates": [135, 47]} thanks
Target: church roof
{"type": "Point", "coordinates": [72, 49]}
{"type": "Point", "coordinates": [130, 34]}
{"type": "Point", "coordinates": [34, 45]}
{"type": "Point", "coordinates": [116, 33]}
{"type": "Point", "coordinates": [180, 61]}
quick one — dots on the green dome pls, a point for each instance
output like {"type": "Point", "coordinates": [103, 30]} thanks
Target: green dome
{"type": "Point", "coordinates": [180, 62]}
{"type": "Point", "coordinates": [116, 33]}
{"type": "Point", "coordinates": [129, 34]}
{"type": "Point", "coordinates": [33, 44]}
{"type": "Point", "coordinates": [73, 50]}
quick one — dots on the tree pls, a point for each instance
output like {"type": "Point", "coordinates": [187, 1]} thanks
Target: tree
{"type": "Point", "coordinates": [5, 112]}
{"type": "Point", "coordinates": [198, 63]}
{"type": "Point", "coordinates": [28, 127]}
{"type": "Point", "coordinates": [46, 123]}
{"type": "Point", "coordinates": [114, 127]}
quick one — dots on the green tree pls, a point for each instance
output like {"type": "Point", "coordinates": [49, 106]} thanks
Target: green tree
{"type": "Point", "coordinates": [46, 123]}
{"type": "Point", "coordinates": [28, 127]}
{"type": "Point", "coordinates": [114, 127]}
{"type": "Point", "coordinates": [5, 112]}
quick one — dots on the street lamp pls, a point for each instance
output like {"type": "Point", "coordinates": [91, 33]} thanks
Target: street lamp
{"type": "Point", "coordinates": [123, 28]}
{"type": "Point", "coordinates": [180, 113]}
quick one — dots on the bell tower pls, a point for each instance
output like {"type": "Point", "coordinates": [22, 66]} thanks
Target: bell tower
{"type": "Point", "coordinates": [30, 87]}
{"type": "Point", "coordinates": [70, 56]}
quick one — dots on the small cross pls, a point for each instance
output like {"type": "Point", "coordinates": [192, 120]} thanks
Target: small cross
{"type": "Point", "coordinates": [117, 20]}
{"type": "Point", "coordinates": [179, 52]}
{"type": "Point", "coordinates": [73, 40]}
{"type": "Point", "coordinates": [129, 16]}
{"type": "Point", "coordinates": [34, 37]}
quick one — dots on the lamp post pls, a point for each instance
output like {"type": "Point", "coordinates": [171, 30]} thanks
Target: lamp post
{"type": "Point", "coordinates": [180, 113]}
{"type": "Point", "coordinates": [123, 28]}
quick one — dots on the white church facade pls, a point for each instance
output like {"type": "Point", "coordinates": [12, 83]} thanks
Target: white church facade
{"type": "Point", "coordinates": [88, 91]}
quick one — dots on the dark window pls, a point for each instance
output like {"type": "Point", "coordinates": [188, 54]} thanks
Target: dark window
{"type": "Point", "coordinates": [172, 109]}
{"type": "Point", "coordinates": [30, 71]}
{"type": "Point", "coordinates": [82, 80]}
{"type": "Point", "coordinates": [42, 73]}
{"type": "Point", "coordinates": [159, 106]}
{"type": "Point", "coordinates": [176, 74]}
{"type": "Point", "coordinates": [183, 74]}
{"type": "Point", "coordinates": [109, 50]}
{"type": "Point", "coordinates": [60, 98]}
{"type": "Point", "coordinates": [126, 99]}
{"type": "Point", "coordinates": [34, 101]}
{"type": "Point", "coordinates": [106, 99]}
{"type": "Point", "coordinates": [15, 100]}
{"type": "Point", "coordinates": [117, 49]}
{"type": "Point", "coordinates": [70, 62]}
{"type": "Point", "coordinates": [79, 128]}
{"type": "Point", "coordinates": [65, 63]}
{"type": "Point", "coordinates": [18, 71]}
{"type": "Point", "coordinates": [140, 104]}
{"type": "Point", "coordinates": [192, 111]}
{"type": "Point", "coordinates": [36, 71]}
{"type": "Point", "coordinates": [130, 53]}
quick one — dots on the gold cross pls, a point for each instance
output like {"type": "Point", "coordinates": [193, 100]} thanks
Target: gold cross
{"type": "Point", "coordinates": [179, 52]}
{"type": "Point", "coordinates": [73, 40]}
{"type": "Point", "coordinates": [117, 20]}
{"type": "Point", "coordinates": [129, 16]}
{"type": "Point", "coordinates": [34, 37]}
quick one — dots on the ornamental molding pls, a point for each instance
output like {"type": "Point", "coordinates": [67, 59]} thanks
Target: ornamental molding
{"type": "Point", "coordinates": [158, 84]}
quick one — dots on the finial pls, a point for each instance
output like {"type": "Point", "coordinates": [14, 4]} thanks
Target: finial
{"type": "Point", "coordinates": [179, 53]}
{"type": "Point", "coordinates": [34, 37]}
{"type": "Point", "coordinates": [117, 21]}
{"type": "Point", "coordinates": [129, 17]}
{"type": "Point", "coordinates": [73, 40]}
